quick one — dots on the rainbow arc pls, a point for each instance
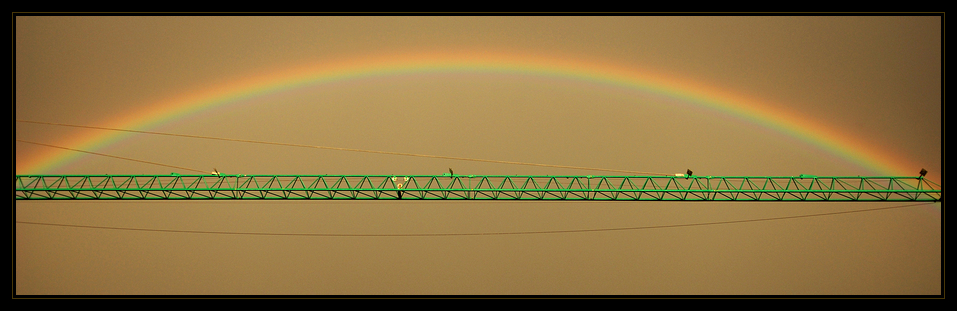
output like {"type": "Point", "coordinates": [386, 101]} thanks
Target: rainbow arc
{"type": "Point", "coordinates": [150, 116]}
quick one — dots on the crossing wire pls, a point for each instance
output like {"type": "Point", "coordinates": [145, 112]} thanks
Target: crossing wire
{"type": "Point", "coordinates": [470, 234]}
{"type": "Point", "coordinates": [111, 156]}
{"type": "Point", "coordinates": [344, 149]}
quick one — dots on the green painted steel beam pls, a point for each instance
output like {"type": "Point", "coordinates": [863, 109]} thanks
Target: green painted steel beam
{"type": "Point", "coordinates": [804, 188]}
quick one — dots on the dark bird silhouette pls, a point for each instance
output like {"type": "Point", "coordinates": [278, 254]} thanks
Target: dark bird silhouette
{"type": "Point", "coordinates": [923, 172]}
{"type": "Point", "coordinates": [450, 171]}
{"type": "Point", "coordinates": [689, 172]}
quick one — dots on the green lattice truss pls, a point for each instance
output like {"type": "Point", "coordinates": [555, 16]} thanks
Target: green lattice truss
{"type": "Point", "coordinates": [474, 187]}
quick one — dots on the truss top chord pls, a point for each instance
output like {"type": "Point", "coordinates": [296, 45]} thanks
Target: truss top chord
{"type": "Point", "coordinates": [479, 187]}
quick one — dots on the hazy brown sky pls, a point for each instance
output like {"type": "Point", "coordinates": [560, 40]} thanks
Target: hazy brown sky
{"type": "Point", "coordinates": [877, 79]}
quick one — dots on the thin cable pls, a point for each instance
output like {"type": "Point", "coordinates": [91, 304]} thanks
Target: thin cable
{"type": "Point", "coordinates": [112, 156]}
{"type": "Point", "coordinates": [471, 234]}
{"type": "Point", "coordinates": [346, 149]}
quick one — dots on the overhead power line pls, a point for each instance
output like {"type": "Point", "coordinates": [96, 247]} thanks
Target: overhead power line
{"type": "Point", "coordinates": [347, 149]}
{"type": "Point", "coordinates": [111, 156]}
{"type": "Point", "coordinates": [469, 234]}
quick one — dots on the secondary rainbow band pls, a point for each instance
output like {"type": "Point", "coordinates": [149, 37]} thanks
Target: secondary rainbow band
{"type": "Point", "coordinates": [738, 106]}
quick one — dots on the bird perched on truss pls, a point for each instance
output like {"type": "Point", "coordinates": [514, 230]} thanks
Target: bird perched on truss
{"type": "Point", "coordinates": [689, 174]}
{"type": "Point", "coordinates": [450, 171]}
{"type": "Point", "coordinates": [399, 185]}
{"type": "Point", "coordinates": [923, 172]}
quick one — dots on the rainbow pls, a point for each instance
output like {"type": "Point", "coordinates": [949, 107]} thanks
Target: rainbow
{"type": "Point", "coordinates": [722, 101]}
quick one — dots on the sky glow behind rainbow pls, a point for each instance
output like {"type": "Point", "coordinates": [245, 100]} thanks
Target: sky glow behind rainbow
{"type": "Point", "coordinates": [708, 98]}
